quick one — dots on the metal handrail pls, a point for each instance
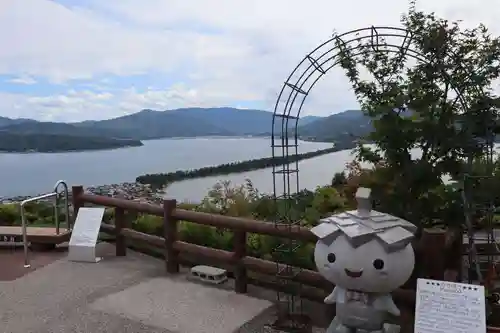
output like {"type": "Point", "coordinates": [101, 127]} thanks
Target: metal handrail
{"type": "Point", "coordinates": [56, 215]}
{"type": "Point", "coordinates": [24, 226]}
{"type": "Point", "coordinates": [66, 205]}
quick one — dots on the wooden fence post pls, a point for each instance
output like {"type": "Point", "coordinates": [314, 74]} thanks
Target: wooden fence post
{"type": "Point", "coordinates": [433, 247]}
{"type": "Point", "coordinates": [76, 191]}
{"type": "Point", "coordinates": [240, 272]}
{"type": "Point", "coordinates": [170, 234]}
{"type": "Point", "coordinates": [121, 242]}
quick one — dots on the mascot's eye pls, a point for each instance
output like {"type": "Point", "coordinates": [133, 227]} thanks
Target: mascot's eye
{"type": "Point", "coordinates": [331, 258]}
{"type": "Point", "coordinates": [378, 263]}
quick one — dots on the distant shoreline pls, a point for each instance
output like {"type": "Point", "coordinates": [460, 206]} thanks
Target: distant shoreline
{"type": "Point", "coordinates": [160, 180]}
{"type": "Point", "coordinates": [241, 137]}
{"type": "Point", "coordinates": [34, 152]}
{"type": "Point", "coordinates": [33, 143]}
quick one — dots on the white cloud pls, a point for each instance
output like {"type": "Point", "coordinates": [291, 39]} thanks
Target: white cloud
{"type": "Point", "coordinates": [229, 50]}
{"type": "Point", "coordinates": [23, 80]}
{"type": "Point", "coordinates": [81, 105]}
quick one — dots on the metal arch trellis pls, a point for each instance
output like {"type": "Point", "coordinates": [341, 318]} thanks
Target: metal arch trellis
{"type": "Point", "coordinates": [284, 142]}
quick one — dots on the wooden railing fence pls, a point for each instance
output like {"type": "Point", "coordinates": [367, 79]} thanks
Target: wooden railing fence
{"type": "Point", "coordinates": [434, 249]}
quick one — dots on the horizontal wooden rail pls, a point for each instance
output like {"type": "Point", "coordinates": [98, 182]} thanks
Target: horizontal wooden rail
{"type": "Point", "coordinates": [140, 236]}
{"type": "Point", "coordinates": [221, 256]}
{"type": "Point", "coordinates": [432, 246]}
{"type": "Point", "coordinates": [108, 228]}
{"type": "Point", "coordinates": [247, 225]}
{"type": "Point", "coordinates": [129, 205]}
{"type": "Point", "coordinates": [218, 221]}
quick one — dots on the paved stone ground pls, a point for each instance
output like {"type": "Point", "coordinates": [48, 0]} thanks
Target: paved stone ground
{"type": "Point", "coordinates": [124, 294]}
{"type": "Point", "coordinates": [181, 306]}
{"type": "Point", "coordinates": [128, 295]}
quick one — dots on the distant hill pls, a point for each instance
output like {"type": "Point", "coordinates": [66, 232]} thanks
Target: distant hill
{"type": "Point", "coordinates": [51, 128]}
{"type": "Point", "coordinates": [196, 122]}
{"type": "Point", "coordinates": [149, 124]}
{"type": "Point", "coordinates": [190, 122]}
{"type": "Point", "coordinates": [340, 126]}
{"type": "Point", "coordinates": [344, 126]}
{"type": "Point", "coordinates": [27, 135]}
{"type": "Point", "coordinates": [4, 121]}
{"type": "Point", "coordinates": [308, 119]}
{"type": "Point", "coordinates": [237, 121]}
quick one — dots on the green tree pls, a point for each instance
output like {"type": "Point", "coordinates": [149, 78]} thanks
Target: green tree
{"type": "Point", "coordinates": [9, 214]}
{"type": "Point", "coordinates": [440, 106]}
{"type": "Point", "coordinates": [339, 179]}
{"type": "Point", "coordinates": [326, 201]}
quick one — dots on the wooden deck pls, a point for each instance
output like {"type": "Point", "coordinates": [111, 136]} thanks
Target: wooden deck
{"type": "Point", "coordinates": [40, 235]}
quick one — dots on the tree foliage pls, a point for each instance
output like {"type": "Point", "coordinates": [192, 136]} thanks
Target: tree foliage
{"type": "Point", "coordinates": [13, 142]}
{"type": "Point", "coordinates": [442, 105]}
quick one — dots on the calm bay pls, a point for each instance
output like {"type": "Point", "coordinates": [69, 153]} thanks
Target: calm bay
{"type": "Point", "coordinates": [31, 174]}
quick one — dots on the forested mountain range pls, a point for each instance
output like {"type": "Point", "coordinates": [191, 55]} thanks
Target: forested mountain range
{"type": "Point", "coordinates": [187, 122]}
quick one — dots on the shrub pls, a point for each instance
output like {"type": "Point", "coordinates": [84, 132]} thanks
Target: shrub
{"type": "Point", "coordinates": [109, 216]}
{"type": "Point", "coordinates": [149, 224]}
{"type": "Point", "coordinates": [9, 214]}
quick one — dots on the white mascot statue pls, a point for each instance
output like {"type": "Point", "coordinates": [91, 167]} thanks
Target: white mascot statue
{"type": "Point", "coordinates": [367, 255]}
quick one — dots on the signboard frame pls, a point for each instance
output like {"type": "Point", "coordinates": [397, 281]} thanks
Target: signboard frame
{"type": "Point", "coordinates": [449, 307]}
{"type": "Point", "coordinates": [82, 245]}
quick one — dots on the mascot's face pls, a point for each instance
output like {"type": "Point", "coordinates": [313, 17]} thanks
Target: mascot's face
{"type": "Point", "coordinates": [368, 267]}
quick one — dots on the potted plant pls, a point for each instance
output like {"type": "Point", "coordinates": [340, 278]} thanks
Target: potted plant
{"type": "Point", "coordinates": [492, 311]}
{"type": "Point", "coordinates": [492, 303]}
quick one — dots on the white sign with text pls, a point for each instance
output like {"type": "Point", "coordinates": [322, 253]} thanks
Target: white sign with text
{"type": "Point", "coordinates": [85, 233]}
{"type": "Point", "coordinates": [449, 307]}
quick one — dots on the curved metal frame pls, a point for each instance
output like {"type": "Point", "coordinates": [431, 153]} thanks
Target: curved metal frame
{"type": "Point", "coordinates": [24, 224]}
{"type": "Point", "coordinates": [298, 85]}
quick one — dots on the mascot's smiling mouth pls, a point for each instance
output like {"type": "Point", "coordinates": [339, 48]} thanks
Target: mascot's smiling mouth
{"type": "Point", "coordinates": [352, 274]}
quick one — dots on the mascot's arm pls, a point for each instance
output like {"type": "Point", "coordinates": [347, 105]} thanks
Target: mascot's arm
{"type": "Point", "coordinates": [337, 296]}
{"type": "Point", "coordinates": [385, 303]}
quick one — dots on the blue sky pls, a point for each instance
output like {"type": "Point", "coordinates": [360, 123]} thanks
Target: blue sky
{"type": "Point", "coordinates": [71, 60]}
